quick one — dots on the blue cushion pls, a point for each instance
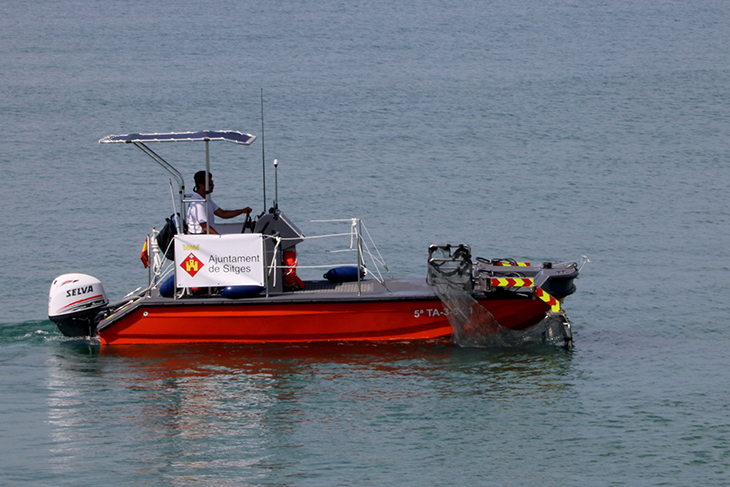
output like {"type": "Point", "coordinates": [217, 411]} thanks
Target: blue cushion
{"type": "Point", "coordinates": [239, 292]}
{"type": "Point", "coordinates": [343, 274]}
{"type": "Point", "coordinates": [167, 289]}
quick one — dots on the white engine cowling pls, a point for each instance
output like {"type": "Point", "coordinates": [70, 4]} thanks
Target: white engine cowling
{"type": "Point", "coordinates": [73, 303]}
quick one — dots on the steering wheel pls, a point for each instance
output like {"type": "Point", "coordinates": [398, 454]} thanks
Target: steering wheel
{"type": "Point", "coordinates": [248, 223]}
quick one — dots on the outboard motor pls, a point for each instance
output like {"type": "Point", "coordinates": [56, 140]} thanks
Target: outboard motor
{"type": "Point", "coordinates": [73, 303]}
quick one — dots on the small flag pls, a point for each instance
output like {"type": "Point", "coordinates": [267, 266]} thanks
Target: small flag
{"type": "Point", "coordinates": [145, 254]}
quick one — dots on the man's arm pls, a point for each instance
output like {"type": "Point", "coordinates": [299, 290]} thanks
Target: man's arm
{"type": "Point", "coordinates": [204, 226]}
{"type": "Point", "coordinates": [221, 213]}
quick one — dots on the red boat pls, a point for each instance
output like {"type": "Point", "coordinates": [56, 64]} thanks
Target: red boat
{"type": "Point", "coordinates": [241, 286]}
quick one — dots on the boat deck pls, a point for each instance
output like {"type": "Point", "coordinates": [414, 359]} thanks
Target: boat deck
{"type": "Point", "coordinates": [414, 289]}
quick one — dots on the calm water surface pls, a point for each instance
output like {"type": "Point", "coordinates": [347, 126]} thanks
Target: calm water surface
{"type": "Point", "coordinates": [532, 130]}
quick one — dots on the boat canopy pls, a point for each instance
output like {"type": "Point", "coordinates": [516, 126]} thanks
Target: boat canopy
{"type": "Point", "coordinates": [204, 135]}
{"type": "Point", "coordinates": [140, 140]}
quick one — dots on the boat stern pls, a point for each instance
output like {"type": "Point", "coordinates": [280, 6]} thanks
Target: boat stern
{"type": "Point", "coordinates": [74, 301]}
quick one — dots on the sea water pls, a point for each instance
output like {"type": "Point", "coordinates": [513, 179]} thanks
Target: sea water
{"type": "Point", "coordinates": [532, 130]}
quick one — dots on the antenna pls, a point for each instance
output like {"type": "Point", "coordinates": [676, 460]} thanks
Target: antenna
{"type": "Point", "coordinates": [276, 183]}
{"type": "Point", "coordinates": [263, 151]}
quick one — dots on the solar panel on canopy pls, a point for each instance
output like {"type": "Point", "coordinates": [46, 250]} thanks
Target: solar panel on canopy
{"type": "Point", "coordinates": [227, 135]}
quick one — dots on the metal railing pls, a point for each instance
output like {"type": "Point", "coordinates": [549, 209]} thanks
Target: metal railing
{"type": "Point", "coordinates": [360, 242]}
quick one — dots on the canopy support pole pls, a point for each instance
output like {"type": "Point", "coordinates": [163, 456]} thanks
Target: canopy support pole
{"type": "Point", "coordinates": [169, 168]}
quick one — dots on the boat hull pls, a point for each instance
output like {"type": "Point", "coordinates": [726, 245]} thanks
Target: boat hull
{"type": "Point", "coordinates": [246, 322]}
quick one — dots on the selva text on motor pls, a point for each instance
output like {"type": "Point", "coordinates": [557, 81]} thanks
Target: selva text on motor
{"type": "Point", "coordinates": [79, 291]}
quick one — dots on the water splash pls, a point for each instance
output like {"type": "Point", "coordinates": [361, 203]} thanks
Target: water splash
{"type": "Point", "coordinates": [29, 331]}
